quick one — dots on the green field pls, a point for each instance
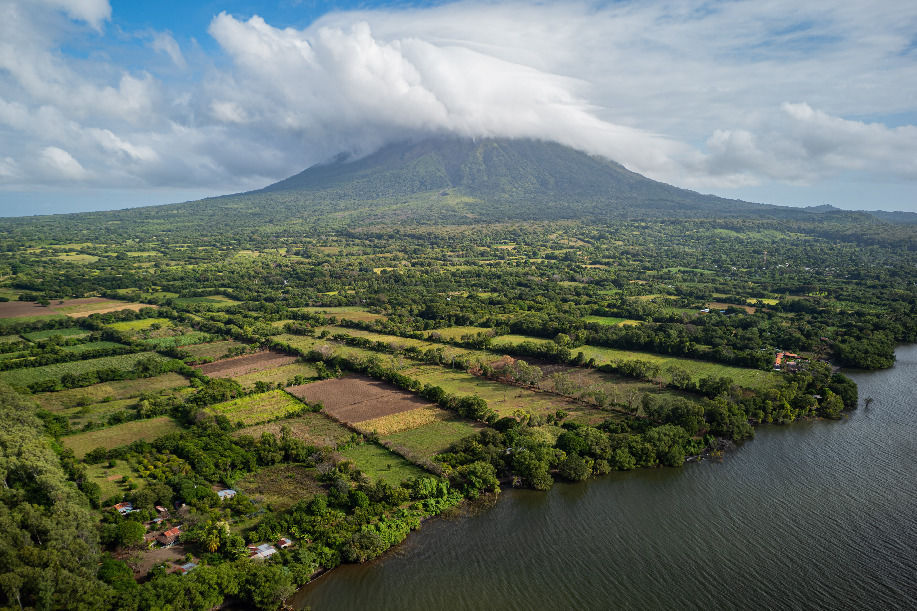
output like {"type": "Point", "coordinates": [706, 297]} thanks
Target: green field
{"type": "Point", "coordinates": [378, 463]}
{"type": "Point", "coordinates": [280, 486]}
{"type": "Point", "coordinates": [140, 324]}
{"type": "Point", "coordinates": [120, 389]}
{"type": "Point", "coordinates": [21, 378]}
{"type": "Point", "coordinates": [430, 439]}
{"type": "Point", "coordinates": [80, 348]}
{"type": "Point", "coordinates": [611, 320]}
{"type": "Point", "coordinates": [219, 301]}
{"type": "Point", "coordinates": [120, 435]}
{"type": "Point", "coordinates": [454, 333]}
{"type": "Point", "coordinates": [310, 427]}
{"type": "Point", "coordinates": [97, 413]}
{"type": "Point", "coordinates": [36, 336]}
{"type": "Point", "coordinates": [345, 312]}
{"type": "Point", "coordinates": [109, 478]}
{"type": "Point", "coordinates": [255, 409]}
{"type": "Point", "coordinates": [282, 374]}
{"type": "Point", "coordinates": [750, 378]}
{"type": "Point", "coordinates": [212, 350]}
{"type": "Point", "coordinates": [174, 341]}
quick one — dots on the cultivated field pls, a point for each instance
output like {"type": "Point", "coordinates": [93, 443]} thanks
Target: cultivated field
{"type": "Point", "coordinates": [255, 409]}
{"type": "Point", "coordinates": [119, 435]}
{"type": "Point", "coordinates": [121, 389]}
{"type": "Point", "coordinates": [140, 324]}
{"type": "Point", "coordinates": [275, 375]}
{"type": "Point", "coordinates": [354, 399]}
{"type": "Point", "coordinates": [21, 378]}
{"type": "Point", "coordinates": [77, 308]}
{"type": "Point", "coordinates": [403, 421]}
{"type": "Point", "coordinates": [248, 363]}
{"type": "Point", "coordinates": [27, 309]}
{"type": "Point", "coordinates": [173, 341]}
{"type": "Point", "coordinates": [378, 463]}
{"type": "Point", "coordinates": [312, 428]}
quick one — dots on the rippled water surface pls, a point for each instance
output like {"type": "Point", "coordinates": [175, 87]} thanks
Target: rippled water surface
{"type": "Point", "coordinates": [817, 514]}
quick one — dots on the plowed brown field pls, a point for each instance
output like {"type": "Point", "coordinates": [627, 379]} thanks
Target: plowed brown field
{"type": "Point", "coordinates": [356, 398]}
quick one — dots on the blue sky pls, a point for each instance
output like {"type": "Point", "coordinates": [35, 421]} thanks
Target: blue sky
{"type": "Point", "coordinates": [116, 103]}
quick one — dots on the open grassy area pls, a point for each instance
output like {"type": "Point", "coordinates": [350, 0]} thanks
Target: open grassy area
{"type": "Point", "coordinates": [36, 336]}
{"type": "Point", "coordinates": [212, 350]}
{"type": "Point", "coordinates": [96, 413]}
{"type": "Point", "coordinates": [89, 346]}
{"type": "Point", "coordinates": [218, 301]}
{"type": "Point", "coordinates": [453, 333]}
{"type": "Point", "coordinates": [610, 320]}
{"type": "Point", "coordinates": [109, 478]}
{"type": "Point", "coordinates": [750, 378]}
{"type": "Point", "coordinates": [345, 312]}
{"type": "Point", "coordinates": [121, 389]}
{"type": "Point", "coordinates": [21, 378]}
{"type": "Point", "coordinates": [255, 409]}
{"type": "Point", "coordinates": [430, 439]}
{"type": "Point", "coordinates": [140, 324]}
{"type": "Point", "coordinates": [186, 339]}
{"type": "Point", "coordinates": [119, 435]}
{"type": "Point", "coordinates": [280, 486]}
{"type": "Point", "coordinates": [379, 463]}
{"type": "Point", "coordinates": [312, 428]}
{"type": "Point", "coordinates": [282, 374]}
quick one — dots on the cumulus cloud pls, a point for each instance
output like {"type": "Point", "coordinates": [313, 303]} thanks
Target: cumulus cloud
{"type": "Point", "coordinates": [702, 95]}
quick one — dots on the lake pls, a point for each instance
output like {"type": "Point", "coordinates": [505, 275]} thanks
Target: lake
{"type": "Point", "coordinates": [816, 514]}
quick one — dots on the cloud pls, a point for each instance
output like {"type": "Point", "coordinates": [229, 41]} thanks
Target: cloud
{"type": "Point", "coordinates": [705, 95]}
{"type": "Point", "coordinates": [164, 43]}
{"type": "Point", "coordinates": [93, 12]}
{"type": "Point", "coordinates": [60, 165]}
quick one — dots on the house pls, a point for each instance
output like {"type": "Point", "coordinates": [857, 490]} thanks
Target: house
{"type": "Point", "coordinates": [123, 508]}
{"type": "Point", "coordinates": [186, 568]}
{"type": "Point", "coordinates": [149, 540]}
{"type": "Point", "coordinates": [284, 543]}
{"type": "Point", "coordinates": [226, 494]}
{"type": "Point", "coordinates": [169, 537]}
{"type": "Point", "coordinates": [265, 550]}
{"type": "Point", "coordinates": [162, 510]}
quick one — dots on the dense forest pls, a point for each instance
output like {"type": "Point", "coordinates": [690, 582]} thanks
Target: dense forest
{"type": "Point", "coordinates": [214, 402]}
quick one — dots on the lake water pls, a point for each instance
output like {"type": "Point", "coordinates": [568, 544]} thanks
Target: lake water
{"type": "Point", "coordinates": [817, 514]}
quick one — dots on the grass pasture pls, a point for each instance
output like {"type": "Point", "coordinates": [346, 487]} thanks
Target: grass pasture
{"type": "Point", "coordinates": [610, 320]}
{"type": "Point", "coordinates": [120, 435]}
{"type": "Point", "coordinates": [37, 336]}
{"type": "Point", "coordinates": [109, 478]}
{"type": "Point", "coordinates": [280, 486]}
{"type": "Point", "coordinates": [97, 413]}
{"type": "Point", "coordinates": [212, 350]}
{"type": "Point", "coordinates": [174, 341]}
{"type": "Point", "coordinates": [432, 438]}
{"type": "Point", "coordinates": [21, 378]}
{"type": "Point", "coordinates": [214, 301]}
{"type": "Point", "coordinates": [454, 333]}
{"type": "Point", "coordinates": [345, 312]}
{"type": "Point", "coordinates": [750, 378]}
{"type": "Point", "coordinates": [140, 324]}
{"type": "Point", "coordinates": [121, 389]}
{"type": "Point", "coordinates": [310, 427]}
{"type": "Point", "coordinates": [379, 463]}
{"type": "Point", "coordinates": [255, 409]}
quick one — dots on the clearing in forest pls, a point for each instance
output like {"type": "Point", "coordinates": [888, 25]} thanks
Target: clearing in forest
{"type": "Point", "coordinates": [119, 435]}
{"type": "Point", "coordinates": [280, 486]}
{"type": "Point", "coordinates": [455, 333]}
{"type": "Point", "coordinates": [354, 399]}
{"type": "Point", "coordinates": [255, 409]}
{"type": "Point", "coordinates": [248, 363]}
{"type": "Point", "coordinates": [311, 428]}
